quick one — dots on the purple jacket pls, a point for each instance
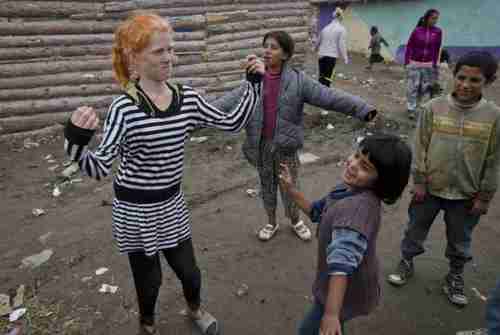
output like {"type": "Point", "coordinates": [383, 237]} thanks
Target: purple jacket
{"type": "Point", "coordinates": [424, 45]}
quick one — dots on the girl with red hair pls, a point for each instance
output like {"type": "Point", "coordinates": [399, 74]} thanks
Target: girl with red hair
{"type": "Point", "coordinates": [147, 127]}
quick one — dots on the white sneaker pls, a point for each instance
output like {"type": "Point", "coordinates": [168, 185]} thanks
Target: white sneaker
{"type": "Point", "coordinates": [267, 232]}
{"type": "Point", "coordinates": [302, 231]}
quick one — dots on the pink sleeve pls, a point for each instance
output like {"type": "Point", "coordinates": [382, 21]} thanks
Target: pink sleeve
{"type": "Point", "coordinates": [409, 48]}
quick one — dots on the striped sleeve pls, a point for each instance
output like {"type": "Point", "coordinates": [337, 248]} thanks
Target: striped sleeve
{"type": "Point", "coordinates": [98, 164]}
{"type": "Point", "coordinates": [211, 117]}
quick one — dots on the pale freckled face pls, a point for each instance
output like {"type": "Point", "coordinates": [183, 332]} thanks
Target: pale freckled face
{"type": "Point", "coordinates": [156, 60]}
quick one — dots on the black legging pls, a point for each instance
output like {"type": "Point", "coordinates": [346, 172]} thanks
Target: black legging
{"type": "Point", "coordinates": [146, 271]}
{"type": "Point", "coordinates": [326, 67]}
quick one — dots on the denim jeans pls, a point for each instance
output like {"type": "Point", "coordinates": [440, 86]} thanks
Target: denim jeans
{"type": "Point", "coordinates": [311, 323]}
{"type": "Point", "coordinates": [459, 227]}
{"type": "Point", "coordinates": [493, 311]}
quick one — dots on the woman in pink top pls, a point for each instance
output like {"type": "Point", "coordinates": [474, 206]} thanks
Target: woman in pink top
{"type": "Point", "coordinates": [421, 59]}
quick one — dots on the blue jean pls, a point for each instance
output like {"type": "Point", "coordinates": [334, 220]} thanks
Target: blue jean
{"type": "Point", "coordinates": [459, 227]}
{"type": "Point", "coordinates": [493, 311]}
{"type": "Point", "coordinates": [312, 321]}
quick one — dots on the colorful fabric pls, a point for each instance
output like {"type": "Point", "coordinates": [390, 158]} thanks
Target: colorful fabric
{"type": "Point", "coordinates": [271, 94]}
{"type": "Point", "coordinates": [456, 149]}
{"type": "Point", "coordinates": [424, 45]}
{"type": "Point", "coordinates": [419, 81]}
{"type": "Point", "coordinates": [268, 167]}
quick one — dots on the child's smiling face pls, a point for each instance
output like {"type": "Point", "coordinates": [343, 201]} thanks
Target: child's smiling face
{"type": "Point", "coordinates": [469, 83]}
{"type": "Point", "coordinates": [359, 171]}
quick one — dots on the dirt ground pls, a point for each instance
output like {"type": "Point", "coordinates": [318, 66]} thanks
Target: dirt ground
{"type": "Point", "coordinates": [62, 295]}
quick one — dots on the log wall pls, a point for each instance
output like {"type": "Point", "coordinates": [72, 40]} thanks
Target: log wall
{"type": "Point", "coordinates": [55, 55]}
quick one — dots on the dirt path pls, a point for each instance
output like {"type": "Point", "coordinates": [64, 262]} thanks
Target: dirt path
{"type": "Point", "coordinates": [76, 227]}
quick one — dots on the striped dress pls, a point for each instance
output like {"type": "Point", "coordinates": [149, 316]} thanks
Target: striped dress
{"type": "Point", "coordinates": [149, 211]}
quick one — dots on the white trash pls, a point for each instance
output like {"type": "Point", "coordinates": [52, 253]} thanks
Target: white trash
{"type": "Point", "coordinates": [307, 158]}
{"type": "Point", "coordinates": [101, 271]}
{"type": "Point", "coordinates": [105, 288]}
{"type": "Point", "coordinates": [200, 139]}
{"type": "Point", "coordinates": [17, 314]}
{"type": "Point", "coordinates": [38, 212]}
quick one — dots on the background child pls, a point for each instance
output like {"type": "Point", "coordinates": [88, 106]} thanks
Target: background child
{"type": "Point", "coordinates": [346, 284]}
{"type": "Point", "coordinates": [457, 173]}
{"type": "Point", "coordinates": [375, 46]}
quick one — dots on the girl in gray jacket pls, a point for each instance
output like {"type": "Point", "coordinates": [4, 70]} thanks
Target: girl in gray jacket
{"type": "Point", "coordinates": [275, 132]}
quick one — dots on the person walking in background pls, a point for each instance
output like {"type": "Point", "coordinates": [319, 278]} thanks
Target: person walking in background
{"type": "Point", "coordinates": [375, 46]}
{"type": "Point", "coordinates": [457, 157]}
{"type": "Point", "coordinates": [332, 43]}
{"type": "Point", "coordinates": [422, 59]}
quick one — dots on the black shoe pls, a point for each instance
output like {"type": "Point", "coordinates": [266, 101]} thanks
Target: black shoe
{"type": "Point", "coordinates": [403, 272]}
{"type": "Point", "coordinates": [454, 289]}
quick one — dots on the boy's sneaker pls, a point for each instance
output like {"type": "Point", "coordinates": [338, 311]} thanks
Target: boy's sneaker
{"type": "Point", "coordinates": [454, 289]}
{"type": "Point", "coordinates": [404, 271]}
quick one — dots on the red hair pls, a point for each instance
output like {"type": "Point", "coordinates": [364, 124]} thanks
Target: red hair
{"type": "Point", "coordinates": [131, 37]}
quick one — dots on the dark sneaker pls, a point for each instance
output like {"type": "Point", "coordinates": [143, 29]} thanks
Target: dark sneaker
{"type": "Point", "coordinates": [454, 289]}
{"type": "Point", "coordinates": [404, 271]}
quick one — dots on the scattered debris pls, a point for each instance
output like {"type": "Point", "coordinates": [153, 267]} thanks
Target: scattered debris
{"type": "Point", "coordinates": [36, 260]}
{"type": "Point", "coordinates": [56, 192]}
{"type": "Point", "coordinates": [183, 312]}
{"type": "Point", "coordinates": [200, 139]}
{"type": "Point", "coordinates": [480, 331]}
{"type": "Point", "coordinates": [76, 181]}
{"type": "Point", "coordinates": [19, 298]}
{"type": "Point", "coordinates": [105, 288]}
{"type": "Point", "coordinates": [88, 75]}
{"type": "Point", "coordinates": [307, 158]}
{"type": "Point", "coordinates": [86, 279]}
{"type": "Point", "coordinates": [5, 305]}
{"type": "Point", "coordinates": [478, 294]}
{"type": "Point", "coordinates": [51, 161]}
{"type": "Point", "coordinates": [229, 148]}
{"type": "Point", "coordinates": [341, 76]}
{"type": "Point", "coordinates": [38, 212]}
{"type": "Point", "coordinates": [101, 271]}
{"type": "Point", "coordinates": [330, 126]}
{"type": "Point", "coordinates": [242, 290]}
{"type": "Point", "coordinates": [251, 192]}
{"type": "Point", "coordinates": [53, 167]}
{"type": "Point", "coordinates": [45, 237]}
{"type": "Point", "coordinates": [48, 157]}
{"type": "Point", "coordinates": [17, 314]}
{"type": "Point", "coordinates": [70, 170]}
{"type": "Point", "coordinates": [403, 136]}
{"type": "Point", "coordinates": [324, 112]}
{"type": "Point", "coordinates": [28, 144]}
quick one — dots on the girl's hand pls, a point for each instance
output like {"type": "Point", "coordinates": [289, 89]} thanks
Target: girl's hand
{"type": "Point", "coordinates": [85, 117]}
{"type": "Point", "coordinates": [255, 65]}
{"type": "Point", "coordinates": [330, 325]}
{"type": "Point", "coordinates": [285, 177]}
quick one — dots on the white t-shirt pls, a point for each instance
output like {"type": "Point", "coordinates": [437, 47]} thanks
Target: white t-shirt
{"type": "Point", "coordinates": [333, 41]}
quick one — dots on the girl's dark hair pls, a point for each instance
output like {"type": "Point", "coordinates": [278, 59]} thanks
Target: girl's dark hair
{"type": "Point", "coordinates": [424, 20]}
{"type": "Point", "coordinates": [374, 30]}
{"type": "Point", "coordinates": [284, 40]}
{"type": "Point", "coordinates": [481, 59]}
{"type": "Point", "coordinates": [392, 159]}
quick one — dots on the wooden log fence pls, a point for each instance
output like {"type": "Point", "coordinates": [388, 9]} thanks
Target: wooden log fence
{"type": "Point", "coordinates": [55, 55]}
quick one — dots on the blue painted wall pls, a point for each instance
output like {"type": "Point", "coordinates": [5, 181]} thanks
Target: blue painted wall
{"type": "Point", "coordinates": [467, 24]}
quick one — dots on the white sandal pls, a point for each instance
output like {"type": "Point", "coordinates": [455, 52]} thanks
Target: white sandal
{"type": "Point", "coordinates": [302, 231]}
{"type": "Point", "coordinates": [267, 232]}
